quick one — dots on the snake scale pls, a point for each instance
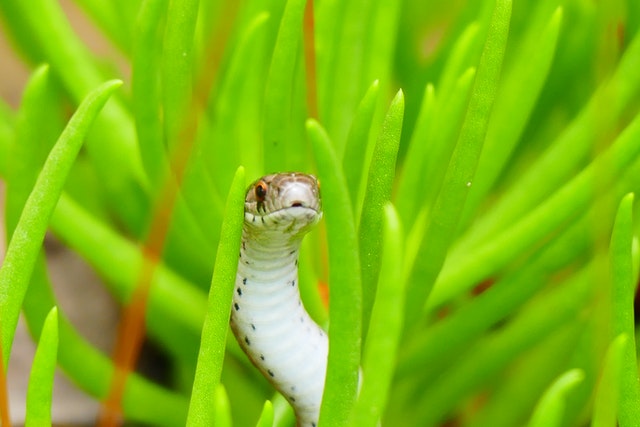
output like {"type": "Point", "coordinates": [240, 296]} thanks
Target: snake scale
{"type": "Point", "coordinates": [267, 317]}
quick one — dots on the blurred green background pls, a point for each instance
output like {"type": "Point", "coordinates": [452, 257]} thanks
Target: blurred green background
{"type": "Point", "coordinates": [509, 297]}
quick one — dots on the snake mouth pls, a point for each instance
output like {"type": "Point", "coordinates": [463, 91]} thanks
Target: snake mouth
{"type": "Point", "coordinates": [294, 210]}
{"type": "Point", "coordinates": [286, 218]}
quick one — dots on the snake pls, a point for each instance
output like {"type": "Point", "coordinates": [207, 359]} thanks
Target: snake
{"type": "Point", "coordinates": [268, 317]}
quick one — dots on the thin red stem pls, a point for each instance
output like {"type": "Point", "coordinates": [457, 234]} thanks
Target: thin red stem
{"type": "Point", "coordinates": [131, 331]}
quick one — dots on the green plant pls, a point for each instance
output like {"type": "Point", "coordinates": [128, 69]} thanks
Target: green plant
{"type": "Point", "coordinates": [479, 238]}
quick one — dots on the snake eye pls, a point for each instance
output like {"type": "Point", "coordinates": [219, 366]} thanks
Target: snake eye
{"type": "Point", "coordinates": [261, 191]}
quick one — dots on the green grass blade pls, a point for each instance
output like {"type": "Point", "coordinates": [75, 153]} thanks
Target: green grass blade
{"type": "Point", "coordinates": [340, 68]}
{"type": "Point", "coordinates": [234, 117]}
{"type": "Point", "coordinates": [89, 368]}
{"type": "Point", "coordinates": [32, 143]}
{"type": "Point", "coordinates": [550, 408]}
{"type": "Point", "coordinates": [516, 99]}
{"type": "Point", "coordinates": [441, 142]}
{"type": "Point", "coordinates": [221, 408]}
{"type": "Point", "coordinates": [283, 415]}
{"type": "Point", "coordinates": [119, 261]}
{"type": "Point", "coordinates": [266, 417]}
{"type": "Point", "coordinates": [143, 400]}
{"type": "Point", "coordinates": [570, 200]}
{"type": "Point", "coordinates": [623, 292]}
{"type": "Point", "coordinates": [460, 174]}
{"type": "Point", "coordinates": [379, 46]}
{"type": "Point", "coordinates": [112, 142]}
{"type": "Point", "coordinates": [382, 172]}
{"type": "Point", "coordinates": [216, 324]}
{"type": "Point", "coordinates": [281, 152]}
{"type": "Point", "coordinates": [145, 88]}
{"type": "Point", "coordinates": [6, 135]}
{"type": "Point", "coordinates": [385, 327]}
{"type": "Point", "coordinates": [486, 310]}
{"type": "Point", "coordinates": [29, 233]}
{"type": "Point", "coordinates": [493, 354]}
{"type": "Point", "coordinates": [411, 178]}
{"type": "Point", "coordinates": [309, 289]}
{"type": "Point", "coordinates": [177, 67]}
{"type": "Point", "coordinates": [515, 397]}
{"type": "Point", "coordinates": [464, 54]}
{"type": "Point", "coordinates": [568, 151]}
{"type": "Point", "coordinates": [345, 303]}
{"type": "Point", "coordinates": [606, 405]}
{"type": "Point", "coordinates": [40, 390]}
{"type": "Point", "coordinates": [467, 324]}
{"type": "Point", "coordinates": [358, 141]}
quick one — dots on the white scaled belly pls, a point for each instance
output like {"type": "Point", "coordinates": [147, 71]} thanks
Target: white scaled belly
{"type": "Point", "coordinates": [272, 326]}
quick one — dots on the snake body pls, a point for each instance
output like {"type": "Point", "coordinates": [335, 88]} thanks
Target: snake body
{"type": "Point", "coordinates": [267, 317]}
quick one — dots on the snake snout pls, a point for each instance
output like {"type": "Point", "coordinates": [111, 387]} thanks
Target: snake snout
{"type": "Point", "coordinates": [299, 196]}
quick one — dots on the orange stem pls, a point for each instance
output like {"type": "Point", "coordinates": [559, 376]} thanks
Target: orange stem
{"type": "Point", "coordinates": [131, 331]}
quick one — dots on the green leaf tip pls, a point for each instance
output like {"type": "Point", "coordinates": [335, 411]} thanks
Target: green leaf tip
{"type": "Point", "coordinates": [550, 409]}
{"type": "Point", "coordinates": [607, 393]}
{"type": "Point", "coordinates": [267, 415]}
{"type": "Point", "coordinates": [40, 388]}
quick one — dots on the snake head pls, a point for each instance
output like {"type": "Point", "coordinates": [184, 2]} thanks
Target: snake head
{"type": "Point", "coordinates": [283, 202]}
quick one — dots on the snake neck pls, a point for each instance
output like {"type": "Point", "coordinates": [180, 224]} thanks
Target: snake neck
{"type": "Point", "coordinates": [273, 328]}
{"type": "Point", "coordinates": [259, 254]}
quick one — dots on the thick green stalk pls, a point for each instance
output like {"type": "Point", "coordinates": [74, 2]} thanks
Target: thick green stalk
{"type": "Point", "coordinates": [345, 302]}
{"type": "Point", "coordinates": [517, 97]}
{"type": "Point", "coordinates": [358, 141]}
{"type": "Point", "coordinates": [281, 151]}
{"type": "Point", "coordinates": [112, 142]}
{"type": "Point", "coordinates": [567, 152]}
{"type": "Point", "coordinates": [607, 393]}
{"type": "Point", "coordinates": [145, 88]}
{"type": "Point", "coordinates": [411, 180]}
{"type": "Point", "coordinates": [465, 268]}
{"type": "Point", "coordinates": [216, 323]}
{"type": "Point", "coordinates": [382, 172]}
{"type": "Point", "coordinates": [27, 238]}
{"type": "Point", "coordinates": [385, 327]}
{"type": "Point", "coordinates": [89, 368]}
{"type": "Point", "coordinates": [177, 69]}
{"type": "Point", "coordinates": [490, 356]}
{"type": "Point", "coordinates": [460, 173]}
{"type": "Point", "coordinates": [32, 143]}
{"type": "Point", "coordinates": [623, 293]}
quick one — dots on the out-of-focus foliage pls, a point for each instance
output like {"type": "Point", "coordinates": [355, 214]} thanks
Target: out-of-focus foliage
{"type": "Point", "coordinates": [507, 156]}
